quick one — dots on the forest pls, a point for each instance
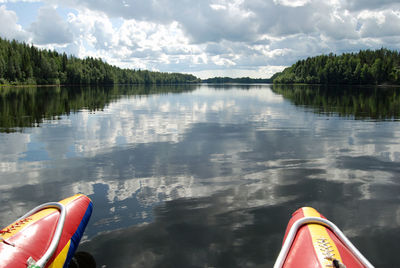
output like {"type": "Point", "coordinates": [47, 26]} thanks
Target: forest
{"type": "Point", "coordinates": [21, 63]}
{"type": "Point", "coordinates": [241, 80]}
{"type": "Point", "coordinates": [367, 67]}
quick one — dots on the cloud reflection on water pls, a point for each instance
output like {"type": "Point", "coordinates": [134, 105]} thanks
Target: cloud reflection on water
{"type": "Point", "coordinates": [208, 177]}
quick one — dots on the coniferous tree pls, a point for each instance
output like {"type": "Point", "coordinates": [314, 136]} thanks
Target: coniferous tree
{"type": "Point", "coordinates": [365, 67]}
{"type": "Point", "coordinates": [25, 64]}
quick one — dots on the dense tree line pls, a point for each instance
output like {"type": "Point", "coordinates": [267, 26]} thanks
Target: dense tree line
{"type": "Point", "coordinates": [241, 80]}
{"type": "Point", "coordinates": [365, 67]}
{"type": "Point", "coordinates": [21, 63]}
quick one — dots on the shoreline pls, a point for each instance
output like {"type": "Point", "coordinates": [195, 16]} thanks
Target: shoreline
{"type": "Point", "coordinates": [193, 83]}
{"type": "Point", "coordinates": [85, 85]}
{"type": "Point", "coordinates": [358, 85]}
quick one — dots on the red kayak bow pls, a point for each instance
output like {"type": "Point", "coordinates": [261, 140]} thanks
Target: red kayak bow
{"type": "Point", "coordinates": [313, 241]}
{"type": "Point", "coordinates": [47, 236]}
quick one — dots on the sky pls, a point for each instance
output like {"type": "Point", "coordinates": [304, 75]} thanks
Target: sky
{"type": "Point", "coordinates": [207, 38]}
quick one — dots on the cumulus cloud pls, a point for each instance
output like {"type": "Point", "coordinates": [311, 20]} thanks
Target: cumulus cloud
{"type": "Point", "coordinates": [357, 5]}
{"type": "Point", "coordinates": [338, 25]}
{"type": "Point", "coordinates": [211, 36]}
{"type": "Point", "coordinates": [380, 24]}
{"type": "Point", "coordinates": [202, 21]}
{"type": "Point", "coordinates": [93, 28]}
{"type": "Point", "coordinates": [50, 28]}
{"type": "Point", "coordinates": [9, 28]}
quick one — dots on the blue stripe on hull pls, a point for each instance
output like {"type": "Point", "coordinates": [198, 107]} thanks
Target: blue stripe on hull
{"type": "Point", "coordinates": [76, 238]}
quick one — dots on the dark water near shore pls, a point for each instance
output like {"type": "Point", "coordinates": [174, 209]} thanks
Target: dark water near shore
{"type": "Point", "coordinates": [206, 176]}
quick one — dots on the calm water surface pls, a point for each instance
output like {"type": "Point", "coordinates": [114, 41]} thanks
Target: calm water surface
{"type": "Point", "coordinates": [206, 176]}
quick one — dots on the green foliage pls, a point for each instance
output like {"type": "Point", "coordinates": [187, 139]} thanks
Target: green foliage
{"type": "Point", "coordinates": [241, 80]}
{"type": "Point", "coordinates": [362, 68]}
{"type": "Point", "coordinates": [24, 64]}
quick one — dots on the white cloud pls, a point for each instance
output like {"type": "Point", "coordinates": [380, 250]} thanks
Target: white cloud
{"type": "Point", "coordinates": [94, 30]}
{"type": "Point", "coordinates": [211, 36]}
{"type": "Point", "coordinates": [50, 28]}
{"type": "Point", "coordinates": [261, 72]}
{"type": "Point", "coordinates": [380, 24]}
{"type": "Point", "coordinates": [17, 1]}
{"type": "Point", "coordinates": [370, 4]}
{"type": "Point", "coordinates": [339, 25]}
{"type": "Point", "coordinates": [9, 28]}
{"type": "Point", "coordinates": [217, 7]}
{"type": "Point", "coordinates": [292, 3]}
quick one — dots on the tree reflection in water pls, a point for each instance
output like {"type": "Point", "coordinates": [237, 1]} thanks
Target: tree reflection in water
{"type": "Point", "coordinates": [358, 102]}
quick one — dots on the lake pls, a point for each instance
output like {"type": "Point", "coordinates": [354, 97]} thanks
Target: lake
{"type": "Point", "coordinates": [206, 175]}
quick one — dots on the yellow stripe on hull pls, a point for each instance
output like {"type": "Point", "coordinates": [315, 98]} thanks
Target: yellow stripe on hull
{"type": "Point", "coordinates": [60, 259]}
{"type": "Point", "coordinates": [324, 246]}
{"type": "Point", "coordinates": [15, 227]}
{"type": "Point", "coordinates": [33, 235]}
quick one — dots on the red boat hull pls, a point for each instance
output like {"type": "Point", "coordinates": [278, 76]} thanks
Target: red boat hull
{"type": "Point", "coordinates": [316, 245]}
{"type": "Point", "coordinates": [31, 237]}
